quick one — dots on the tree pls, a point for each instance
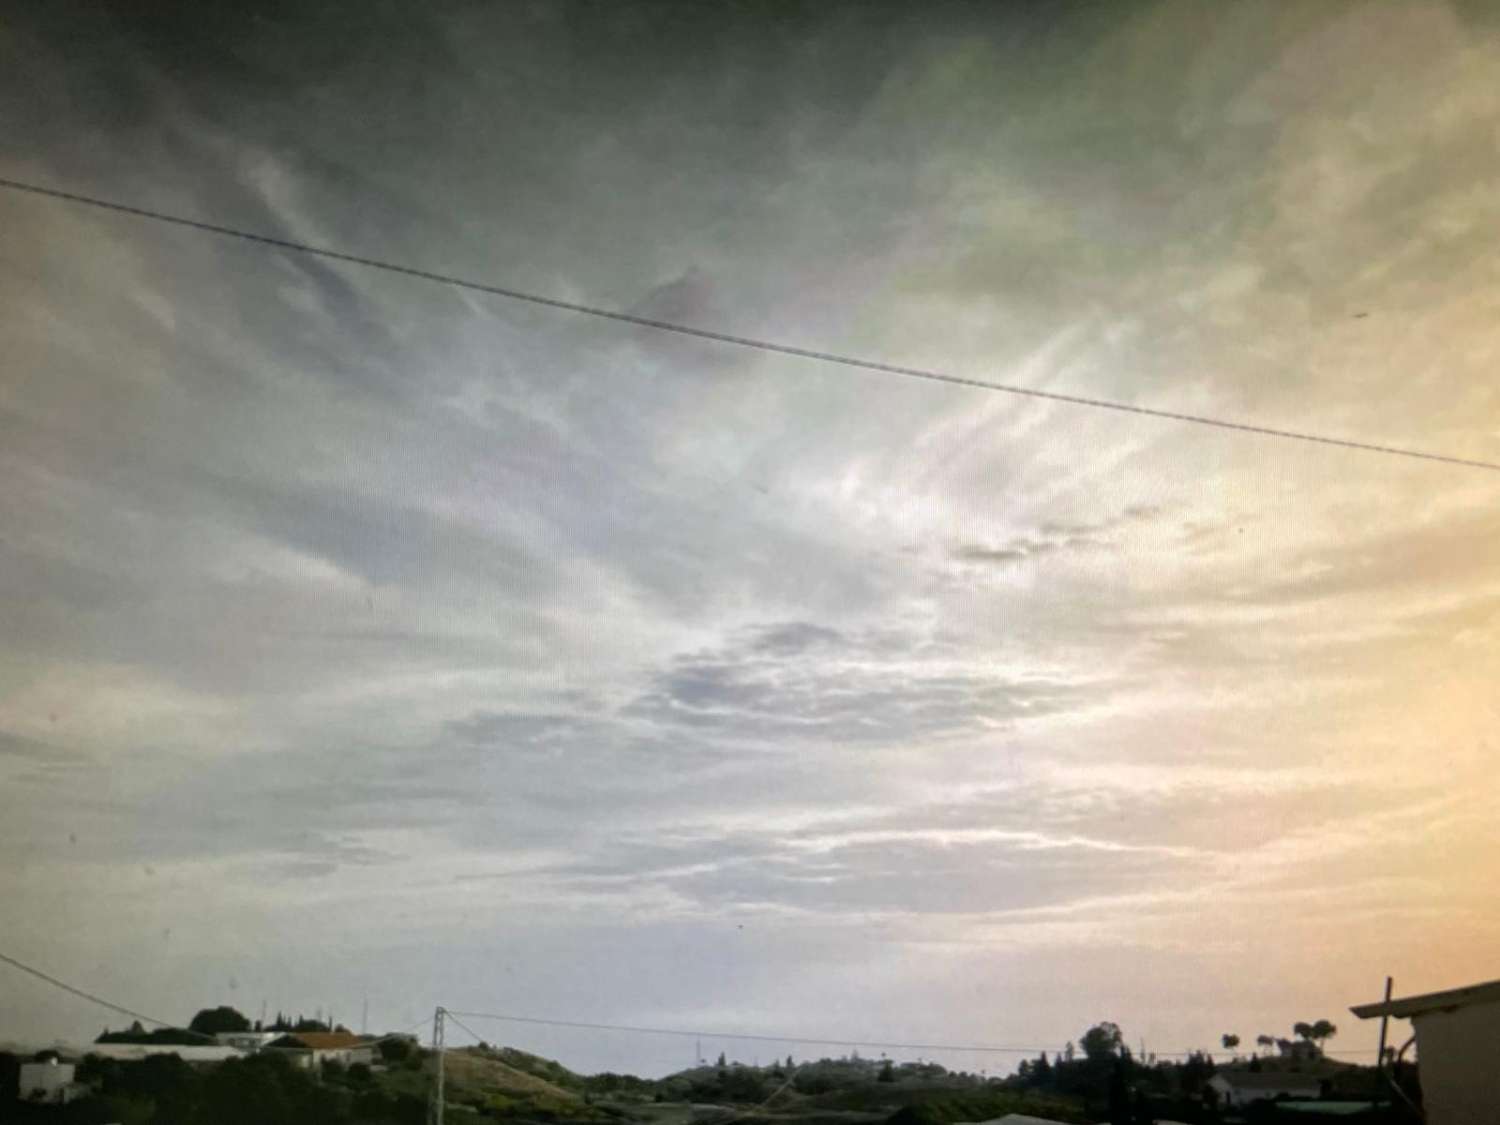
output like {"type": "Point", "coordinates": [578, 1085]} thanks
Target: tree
{"type": "Point", "coordinates": [1230, 1041]}
{"type": "Point", "coordinates": [887, 1072]}
{"type": "Point", "coordinates": [1322, 1031]}
{"type": "Point", "coordinates": [1102, 1041]}
{"type": "Point", "coordinates": [396, 1049]}
{"type": "Point", "coordinates": [1266, 1041]}
{"type": "Point", "coordinates": [721, 1063]}
{"type": "Point", "coordinates": [212, 1021]}
{"type": "Point", "coordinates": [1315, 1034]}
{"type": "Point", "coordinates": [1195, 1071]}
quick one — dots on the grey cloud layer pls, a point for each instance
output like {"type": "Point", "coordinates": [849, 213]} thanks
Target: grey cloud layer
{"type": "Point", "coordinates": [402, 619]}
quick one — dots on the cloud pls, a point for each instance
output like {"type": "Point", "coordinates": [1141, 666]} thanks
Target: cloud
{"type": "Point", "coordinates": [421, 625]}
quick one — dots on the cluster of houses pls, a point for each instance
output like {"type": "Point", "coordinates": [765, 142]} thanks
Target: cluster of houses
{"type": "Point", "coordinates": [308, 1049]}
{"type": "Point", "coordinates": [53, 1081]}
{"type": "Point", "coordinates": [1456, 1032]}
{"type": "Point", "coordinates": [1457, 1037]}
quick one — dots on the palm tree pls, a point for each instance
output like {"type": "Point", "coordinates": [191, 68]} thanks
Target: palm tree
{"type": "Point", "coordinates": [1230, 1041]}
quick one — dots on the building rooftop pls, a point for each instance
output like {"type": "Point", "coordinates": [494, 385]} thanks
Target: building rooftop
{"type": "Point", "coordinates": [1408, 1006]}
{"type": "Point", "coordinates": [321, 1040]}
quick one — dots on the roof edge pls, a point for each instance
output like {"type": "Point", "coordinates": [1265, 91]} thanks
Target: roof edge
{"type": "Point", "coordinates": [1485, 993]}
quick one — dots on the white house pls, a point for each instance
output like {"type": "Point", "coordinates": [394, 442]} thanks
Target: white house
{"type": "Point", "coordinates": [50, 1082]}
{"type": "Point", "coordinates": [311, 1049]}
{"type": "Point", "coordinates": [1245, 1087]}
{"type": "Point", "coordinates": [246, 1040]}
{"type": "Point", "coordinates": [1458, 1050]}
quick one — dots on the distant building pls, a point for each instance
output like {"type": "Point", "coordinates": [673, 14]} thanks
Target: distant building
{"type": "Point", "coordinates": [1246, 1087]}
{"type": "Point", "coordinates": [1458, 1050]}
{"type": "Point", "coordinates": [311, 1049]}
{"type": "Point", "coordinates": [49, 1083]}
{"type": "Point", "coordinates": [246, 1040]}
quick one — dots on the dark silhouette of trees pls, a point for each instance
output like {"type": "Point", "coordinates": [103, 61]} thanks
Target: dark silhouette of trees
{"type": "Point", "coordinates": [212, 1021]}
{"type": "Point", "coordinates": [301, 1023]}
{"type": "Point", "coordinates": [1315, 1034]}
{"type": "Point", "coordinates": [1102, 1041]}
{"type": "Point", "coordinates": [396, 1049]}
{"type": "Point", "coordinates": [1229, 1040]}
{"type": "Point", "coordinates": [1322, 1031]}
{"type": "Point", "coordinates": [1195, 1071]}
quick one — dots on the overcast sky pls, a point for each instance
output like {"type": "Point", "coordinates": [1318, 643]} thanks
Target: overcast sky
{"type": "Point", "coordinates": [368, 638]}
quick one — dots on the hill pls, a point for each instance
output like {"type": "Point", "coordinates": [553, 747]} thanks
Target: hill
{"type": "Point", "coordinates": [548, 1070]}
{"type": "Point", "coordinates": [490, 1081]}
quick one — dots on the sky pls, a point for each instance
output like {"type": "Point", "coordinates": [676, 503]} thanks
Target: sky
{"type": "Point", "coordinates": [368, 641]}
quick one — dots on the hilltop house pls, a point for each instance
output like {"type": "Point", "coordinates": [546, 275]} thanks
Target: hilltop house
{"type": "Point", "coordinates": [311, 1049]}
{"type": "Point", "coordinates": [246, 1040]}
{"type": "Point", "coordinates": [1458, 1047]}
{"type": "Point", "coordinates": [1244, 1087]}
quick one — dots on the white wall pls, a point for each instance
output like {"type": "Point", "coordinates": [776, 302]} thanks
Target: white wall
{"type": "Point", "coordinates": [46, 1081]}
{"type": "Point", "coordinates": [249, 1040]}
{"type": "Point", "coordinates": [1296, 1086]}
{"type": "Point", "coordinates": [1458, 1056]}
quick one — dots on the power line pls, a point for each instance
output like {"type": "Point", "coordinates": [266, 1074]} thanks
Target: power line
{"type": "Point", "coordinates": [406, 1034]}
{"type": "Point", "coordinates": [743, 1036]}
{"type": "Point", "coordinates": [577, 1024]}
{"type": "Point", "coordinates": [802, 1040]}
{"type": "Point", "coordinates": [728, 1119]}
{"type": "Point", "coordinates": [448, 1014]}
{"type": "Point", "coordinates": [742, 341]}
{"type": "Point", "coordinates": [124, 1011]}
{"type": "Point", "coordinates": [103, 1003]}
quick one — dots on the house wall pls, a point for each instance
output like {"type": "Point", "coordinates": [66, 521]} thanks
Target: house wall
{"type": "Point", "coordinates": [45, 1081]}
{"type": "Point", "coordinates": [305, 1059]}
{"type": "Point", "coordinates": [348, 1056]}
{"type": "Point", "coordinates": [1458, 1056]}
{"type": "Point", "coordinates": [1240, 1097]}
{"type": "Point", "coordinates": [247, 1040]}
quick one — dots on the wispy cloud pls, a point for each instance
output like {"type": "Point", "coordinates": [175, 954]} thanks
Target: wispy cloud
{"type": "Point", "coordinates": [423, 625]}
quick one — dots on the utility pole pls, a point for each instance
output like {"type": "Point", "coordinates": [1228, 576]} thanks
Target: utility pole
{"type": "Point", "coordinates": [437, 1047]}
{"type": "Point", "coordinates": [1385, 1019]}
